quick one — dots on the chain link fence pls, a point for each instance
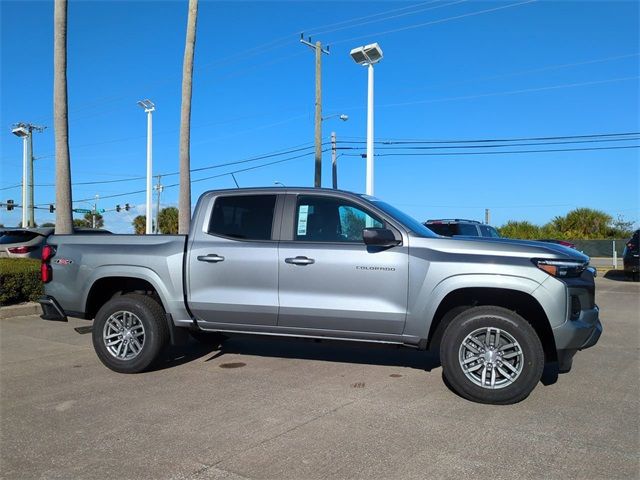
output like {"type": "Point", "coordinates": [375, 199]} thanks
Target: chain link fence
{"type": "Point", "coordinates": [601, 248]}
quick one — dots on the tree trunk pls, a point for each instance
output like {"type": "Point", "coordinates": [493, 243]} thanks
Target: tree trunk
{"type": "Point", "coordinates": [184, 200]}
{"type": "Point", "coordinates": [64, 215]}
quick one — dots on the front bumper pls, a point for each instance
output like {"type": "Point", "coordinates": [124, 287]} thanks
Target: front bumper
{"type": "Point", "coordinates": [575, 335]}
{"type": "Point", "coordinates": [51, 309]}
{"type": "Point", "coordinates": [580, 333]}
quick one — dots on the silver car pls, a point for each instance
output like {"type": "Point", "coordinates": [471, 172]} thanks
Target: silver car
{"type": "Point", "coordinates": [28, 242]}
{"type": "Point", "coordinates": [23, 242]}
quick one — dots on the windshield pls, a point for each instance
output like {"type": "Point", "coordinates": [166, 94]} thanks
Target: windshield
{"type": "Point", "coordinates": [411, 223]}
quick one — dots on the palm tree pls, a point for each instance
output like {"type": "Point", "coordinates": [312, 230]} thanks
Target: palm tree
{"type": "Point", "coordinates": [64, 215]}
{"type": "Point", "coordinates": [168, 220]}
{"type": "Point", "coordinates": [139, 224]}
{"type": "Point", "coordinates": [184, 199]}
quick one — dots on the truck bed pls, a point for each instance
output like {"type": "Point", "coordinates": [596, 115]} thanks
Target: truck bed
{"type": "Point", "coordinates": [81, 259]}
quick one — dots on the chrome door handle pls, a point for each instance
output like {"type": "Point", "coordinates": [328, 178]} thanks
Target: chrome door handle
{"type": "Point", "coordinates": [300, 261]}
{"type": "Point", "coordinates": [212, 258]}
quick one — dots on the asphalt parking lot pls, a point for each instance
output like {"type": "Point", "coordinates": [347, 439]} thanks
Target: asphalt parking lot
{"type": "Point", "coordinates": [264, 408]}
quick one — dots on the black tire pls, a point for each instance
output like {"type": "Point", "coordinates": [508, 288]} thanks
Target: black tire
{"type": "Point", "coordinates": [635, 276]}
{"type": "Point", "coordinates": [150, 314]}
{"type": "Point", "coordinates": [529, 362]}
{"type": "Point", "coordinates": [207, 338]}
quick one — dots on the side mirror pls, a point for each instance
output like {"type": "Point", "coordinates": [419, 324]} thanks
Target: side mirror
{"type": "Point", "coordinates": [379, 237]}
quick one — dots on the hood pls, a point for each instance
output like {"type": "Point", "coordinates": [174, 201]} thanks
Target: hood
{"type": "Point", "coordinates": [502, 247]}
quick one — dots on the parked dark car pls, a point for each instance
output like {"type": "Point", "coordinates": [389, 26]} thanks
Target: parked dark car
{"type": "Point", "coordinates": [458, 226]}
{"type": "Point", "coordinates": [558, 242]}
{"type": "Point", "coordinates": [28, 242]}
{"type": "Point", "coordinates": [631, 257]}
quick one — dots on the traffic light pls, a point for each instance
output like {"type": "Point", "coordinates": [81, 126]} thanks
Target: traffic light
{"type": "Point", "coordinates": [9, 205]}
{"type": "Point", "coordinates": [127, 207]}
{"type": "Point", "coordinates": [118, 208]}
{"type": "Point", "coordinates": [51, 208]}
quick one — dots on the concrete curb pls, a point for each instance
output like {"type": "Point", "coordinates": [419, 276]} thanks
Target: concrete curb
{"type": "Point", "coordinates": [22, 310]}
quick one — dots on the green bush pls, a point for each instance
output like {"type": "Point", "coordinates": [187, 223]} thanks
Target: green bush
{"type": "Point", "coordinates": [19, 280]}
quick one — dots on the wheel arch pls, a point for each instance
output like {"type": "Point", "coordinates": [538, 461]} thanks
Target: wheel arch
{"type": "Point", "coordinates": [107, 283]}
{"type": "Point", "coordinates": [523, 303]}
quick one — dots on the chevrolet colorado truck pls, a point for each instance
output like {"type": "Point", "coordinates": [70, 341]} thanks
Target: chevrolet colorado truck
{"type": "Point", "coordinates": [329, 264]}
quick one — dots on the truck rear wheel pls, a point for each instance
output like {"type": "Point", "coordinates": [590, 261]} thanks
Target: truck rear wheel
{"type": "Point", "coordinates": [491, 355]}
{"type": "Point", "coordinates": [129, 332]}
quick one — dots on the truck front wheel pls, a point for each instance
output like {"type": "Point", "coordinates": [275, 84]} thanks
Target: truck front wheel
{"type": "Point", "coordinates": [491, 355]}
{"type": "Point", "coordinates": [129, 332]}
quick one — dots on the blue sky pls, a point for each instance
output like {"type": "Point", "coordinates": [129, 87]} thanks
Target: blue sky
{"type": "Point", "coordinates": [453, 70]}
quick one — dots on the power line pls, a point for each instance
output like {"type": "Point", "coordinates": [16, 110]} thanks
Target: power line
{"type": "Point", "coordinates": [511, 92]}
{"type": "Point", "coordinates": [433, 22]}
{"type": "Point", "coordinates": [322, 32]}
{"type": "Point", "coordinates": [208, 178]}
{"type": "Point", "coordinates": [495, 153]}
{"type": "Point", "coordinates": [257, 166]}
{"type": "Point", "coordinates": [405, 146]}
{"type": "Point", "coordinates": [605, 137]}
{"type": "Point", "coordinates": [219, 165]}
{"type": "Point", "coordinates": [314, 31]}
{"type": "Point", "coordinates": [512, 139]}
{"type": "Point", "coordinates": [522, 72]}
{"type": "Point", "coordinates": [102, 197]}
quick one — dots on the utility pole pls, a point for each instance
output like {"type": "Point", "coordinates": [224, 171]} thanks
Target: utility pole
{"type": "Point", "coordinates": [95, 211]}
{"type": "Point", "coordinates": [334, 162]}
{"type": "Point", "coordinates": [487, 216]}
{"type": "Point", "coordinates": [159, 189]}
{"type": "Point", "coordinates": [318, 116]}
{"type": "Point", "coordinates": [25, 130]}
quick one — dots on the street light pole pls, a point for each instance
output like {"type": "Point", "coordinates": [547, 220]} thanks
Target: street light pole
{"type": "Point", "coordinates": [367, 56]}
{"type": "Point", "coordinates": [149, 107]}
{"type": "Point", "coordinates": [25, 131]}
{"type": "Point", "coordinates": [31, 220]}
{"type": "Point", "coordinates": [334, 156]}
{"type": "Point", "coordinates": [25, 168]}
{"type": "Point", "coordinates": [369, 183]}
{"type": "Point", "coordinates": [149, 169]}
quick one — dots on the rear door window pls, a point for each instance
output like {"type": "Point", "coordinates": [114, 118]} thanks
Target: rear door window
{"type": "Point", "coordinates": [243, 217]}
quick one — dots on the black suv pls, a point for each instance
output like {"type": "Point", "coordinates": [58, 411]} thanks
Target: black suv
{"type": "Point", "coordinates": [631, 257]}
{"type": "Point", "coordinates": [458, 226]}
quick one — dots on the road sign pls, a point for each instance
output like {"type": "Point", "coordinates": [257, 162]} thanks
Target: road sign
{"type": "Point", "coordinates": [82, 210]}
{"type": "Point", "coordinates": [101, 210]}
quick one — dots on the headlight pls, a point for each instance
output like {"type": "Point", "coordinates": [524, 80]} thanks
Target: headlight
{"type": "Point", "coordinates": [560, 268]}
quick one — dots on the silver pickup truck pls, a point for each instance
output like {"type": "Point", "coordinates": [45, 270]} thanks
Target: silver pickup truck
{"type": "Point", "coordinates": [329, 264]}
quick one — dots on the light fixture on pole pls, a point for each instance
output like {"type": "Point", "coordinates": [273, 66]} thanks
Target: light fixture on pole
{"type": "Point", "coordinates": [334, 156]}
{"type": "Point", "coordinates": [149, 107]}
{"type": "Point", "coordinates": [342, 116]}
{"type": "Point", "coordinates": [367, 56]}
{"type": "Point", "coordinates": [22, 132]}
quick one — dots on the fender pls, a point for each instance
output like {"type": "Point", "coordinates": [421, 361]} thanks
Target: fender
{"type": "Point", "coordinates": [423, 307]}
{"type": "Point", "coordinates": [173, 306]}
